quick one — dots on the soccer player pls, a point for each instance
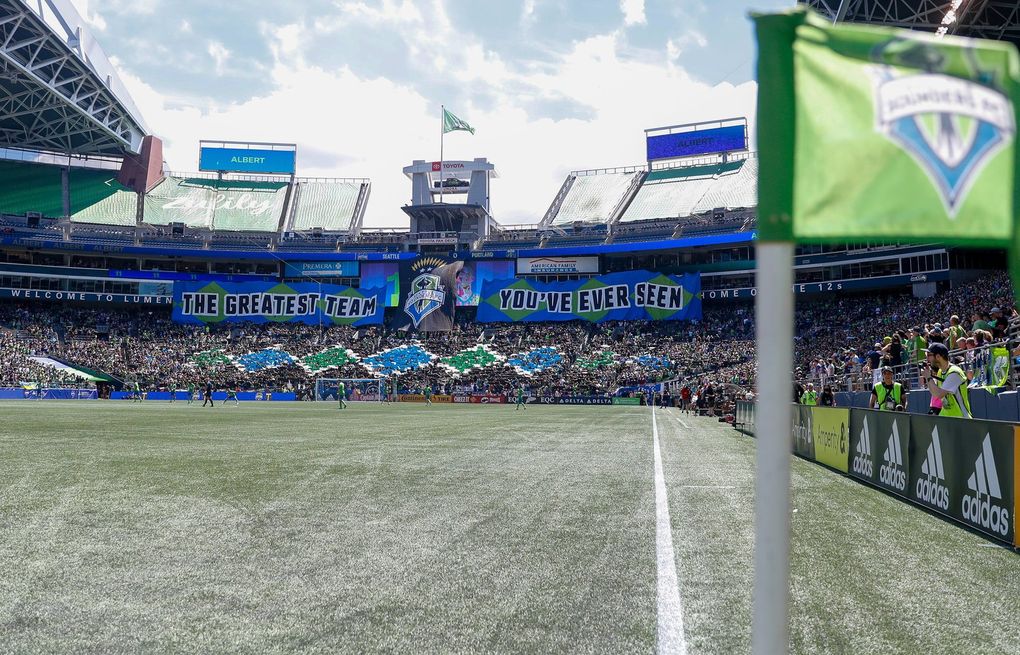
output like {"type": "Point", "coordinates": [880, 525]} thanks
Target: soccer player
{"type": "Point", "coordinates": [173, 392]}
{"type": "Point", "coordinates": [231, 395]}
{"type": "Point", "coordinates": [191, 392]}
{"type": "Point", "coordinates": [428, 395]}
{"type": "Point", "coordinates": [208, 394]}
{"type": "Point", "coordinates": [341, 396]}
{"type": "Point", "coordinates": [520, 399]}
{"type": "Point", "coordinates": [138, 391]}
{"type": "Point", "coordinates": [387, 391]}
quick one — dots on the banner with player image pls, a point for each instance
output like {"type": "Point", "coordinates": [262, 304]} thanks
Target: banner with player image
{"type": "Point", "coordinates": [202, 303]}
{"type": "Point", "coordinates": [427, 295]}
{"type": "Point", "coordinates": [476, 274]}
{"type": "Point", "coordinates": [629, 296]}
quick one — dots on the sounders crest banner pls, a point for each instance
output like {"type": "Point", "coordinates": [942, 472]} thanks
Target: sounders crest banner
{"type": "Point", "coordinates": [428, 298]}
{"type": "Point", "coordinates": [629, 296]}
{"type": "Point", "coordinates": [267, 302]}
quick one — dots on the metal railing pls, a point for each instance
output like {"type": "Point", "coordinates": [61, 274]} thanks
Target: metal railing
{"type": "Point", "coordinates": [975, 362]}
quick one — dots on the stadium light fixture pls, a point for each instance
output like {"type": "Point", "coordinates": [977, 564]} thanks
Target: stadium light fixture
{"type": "Point", "coordinates": [949, 19]}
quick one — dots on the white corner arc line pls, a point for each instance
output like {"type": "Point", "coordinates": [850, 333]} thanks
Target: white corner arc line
{"type": "Point", "coordinates": [670, 611]}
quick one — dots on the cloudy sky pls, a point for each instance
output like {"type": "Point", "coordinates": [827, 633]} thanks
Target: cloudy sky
{"type": "Point", "coordinates": [550, 85]}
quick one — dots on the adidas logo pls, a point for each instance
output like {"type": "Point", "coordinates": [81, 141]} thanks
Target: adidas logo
{"type": "Point", "coordinates": [931, 488]}
{"type": "Point", "coordinates": [863, 464]}
{"type": "Point", "coordinates": [891, 472]}
{"type": "Point", "coordinates": [984, 483]}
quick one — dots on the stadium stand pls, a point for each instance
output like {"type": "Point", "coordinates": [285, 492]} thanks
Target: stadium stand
{"type": "Point", "coordinates": [94, 194]}
{"type": "Point", "coordinates": [594, 197]}
{"type": "Point", "coordinates": [689, 191]}
{"type": "Point", "coordinates": [589, 358]}
{"type": "Point", "coordinates": [28, 188]}
{"type": "Point", "coordinates": [97, 197]}
{"type": "Point", "coordinates": [234, 205]}
{"type": "Point", "coordinates": [330, 205]}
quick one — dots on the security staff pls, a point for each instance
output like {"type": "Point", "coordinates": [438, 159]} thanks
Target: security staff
{"type": "Point", "coordinates": [946, 381]}
{"type": "Point", "coordinates": [810, 396]}
{"type": "Point", "coordinates": [888, 395]}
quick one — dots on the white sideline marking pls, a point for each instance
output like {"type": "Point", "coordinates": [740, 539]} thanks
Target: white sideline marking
{"type": "Point", "coordinates": [670, 609]}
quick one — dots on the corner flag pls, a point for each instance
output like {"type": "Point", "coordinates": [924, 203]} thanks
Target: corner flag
{"type": "Point", "coordinates": [451, 123]}
{"type": "Point", "coordinates": [878, 133]}
{"type": "Point", "coordinates": [864, 133]}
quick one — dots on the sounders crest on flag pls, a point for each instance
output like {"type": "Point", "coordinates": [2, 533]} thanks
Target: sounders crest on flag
{"type": "Point", "coordinates": [877, 133]}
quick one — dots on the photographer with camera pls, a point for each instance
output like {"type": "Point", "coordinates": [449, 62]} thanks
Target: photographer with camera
{"type": "Point", "coordinates": [888, 395]}
{"type": "Point", "coordinates": [946, 381]}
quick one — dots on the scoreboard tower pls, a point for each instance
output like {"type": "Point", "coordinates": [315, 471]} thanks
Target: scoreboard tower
{"type": "Point", "coordinates": [449, 203]}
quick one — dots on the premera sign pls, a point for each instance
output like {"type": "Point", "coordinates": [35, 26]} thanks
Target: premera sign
{"type": "Point", "coordinates": [269, 159]}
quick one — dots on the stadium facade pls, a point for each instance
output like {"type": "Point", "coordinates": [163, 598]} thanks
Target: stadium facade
{"type": "Point", "coordinates": [88, 211]}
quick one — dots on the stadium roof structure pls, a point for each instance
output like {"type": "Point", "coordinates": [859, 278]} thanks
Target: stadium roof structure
{"type": "Point", "coordinates": [58, 90]}
{"type": "Point", "coordinates": [981, 19]}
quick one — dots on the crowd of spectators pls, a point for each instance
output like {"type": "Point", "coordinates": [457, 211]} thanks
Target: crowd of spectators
{"type": "Point", "coordinates": [840, 338]}
{"type": "Point", "coordinates": [567, 358]}
{"type": "Point", "coordinates": [844, 342]}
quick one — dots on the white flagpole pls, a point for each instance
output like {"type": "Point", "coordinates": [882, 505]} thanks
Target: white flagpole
{"type": "Point", "coordinates": [442, 136]}
{"type": "Point", "coordinates": [773, 426]}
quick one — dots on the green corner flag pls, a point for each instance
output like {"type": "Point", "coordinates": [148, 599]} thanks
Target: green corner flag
{"type": "Point", "coordinates": [878, 133]}
{"type": "Point", "coordinates": [451, 123]}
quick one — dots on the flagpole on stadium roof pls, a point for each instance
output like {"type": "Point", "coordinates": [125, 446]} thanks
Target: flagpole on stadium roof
{"type": "Point", "coordinates": [774, 309]}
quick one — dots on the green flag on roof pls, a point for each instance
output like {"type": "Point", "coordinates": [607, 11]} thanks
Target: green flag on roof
{"type": "Point", "coordinates": [871, 133]}
{"type": "Point", "coordinates": [451, 123]}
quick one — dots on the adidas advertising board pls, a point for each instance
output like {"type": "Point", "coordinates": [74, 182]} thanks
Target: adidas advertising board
{"type": "Point", "coordinates": [965, 469]}
{"type": "Point", "coordinates": [1016, 482]}
{"type": "Point", "coordinates": [893, 473]}
{"type": "Point", "coordinates": [862, 426]}
{"type": "Point", "coordinates": [829, 432]}
{"type": "Point", "coordinates": [986, 503]}
{"type": "Point", "coordinates": [803, 442]}
{"type": "Point", "coordinates": [879, 448]}
{"type": "Point", "coordinates": [928, 471]}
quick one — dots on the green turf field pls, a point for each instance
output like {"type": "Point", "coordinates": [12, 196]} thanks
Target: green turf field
{"type": "Point", "coordinates": [285, 527]}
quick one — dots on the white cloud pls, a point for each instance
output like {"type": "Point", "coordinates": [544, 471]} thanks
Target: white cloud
{"type": "Point", "coordinates": [220, 56]}
{"type": "Point", "coordinates": [93, 18]}
{"type": "Point", "coordinates": [633, 12]}
{"type": "Point", "coordinates": [676, 47]}
{"type": "Point", "coordinates": [377, 126]}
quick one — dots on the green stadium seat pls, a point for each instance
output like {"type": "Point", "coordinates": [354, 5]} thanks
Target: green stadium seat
{"type": "Point", "coordinates": [97, 197]}
{"type": "Point", "coordinates": [326, 205]}
{"type": "Point", "coordinates": [26, 187]}
{"type": "Point", "coordinates": [230, 205]}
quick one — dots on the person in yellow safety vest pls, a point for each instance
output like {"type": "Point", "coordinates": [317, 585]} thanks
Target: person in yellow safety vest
{"type": "Point", "coordinates": [888, 395]}
{"type": "Point", "coordinates": [946, 381]}
{"type": "Point", "coordinates": [810, 396]}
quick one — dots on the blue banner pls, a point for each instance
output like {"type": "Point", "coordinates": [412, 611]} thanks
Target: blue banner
{"type": "Point", "coordinates": [261, 302]}
{"type": "Point", "coordinates": [629, 296]}
{"type": "Point", "coordinates": [247, 160]}
{"type": "Point", "coordinates": [700, 142]}
{"type": "Point", "coordinates": [321, 269]}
